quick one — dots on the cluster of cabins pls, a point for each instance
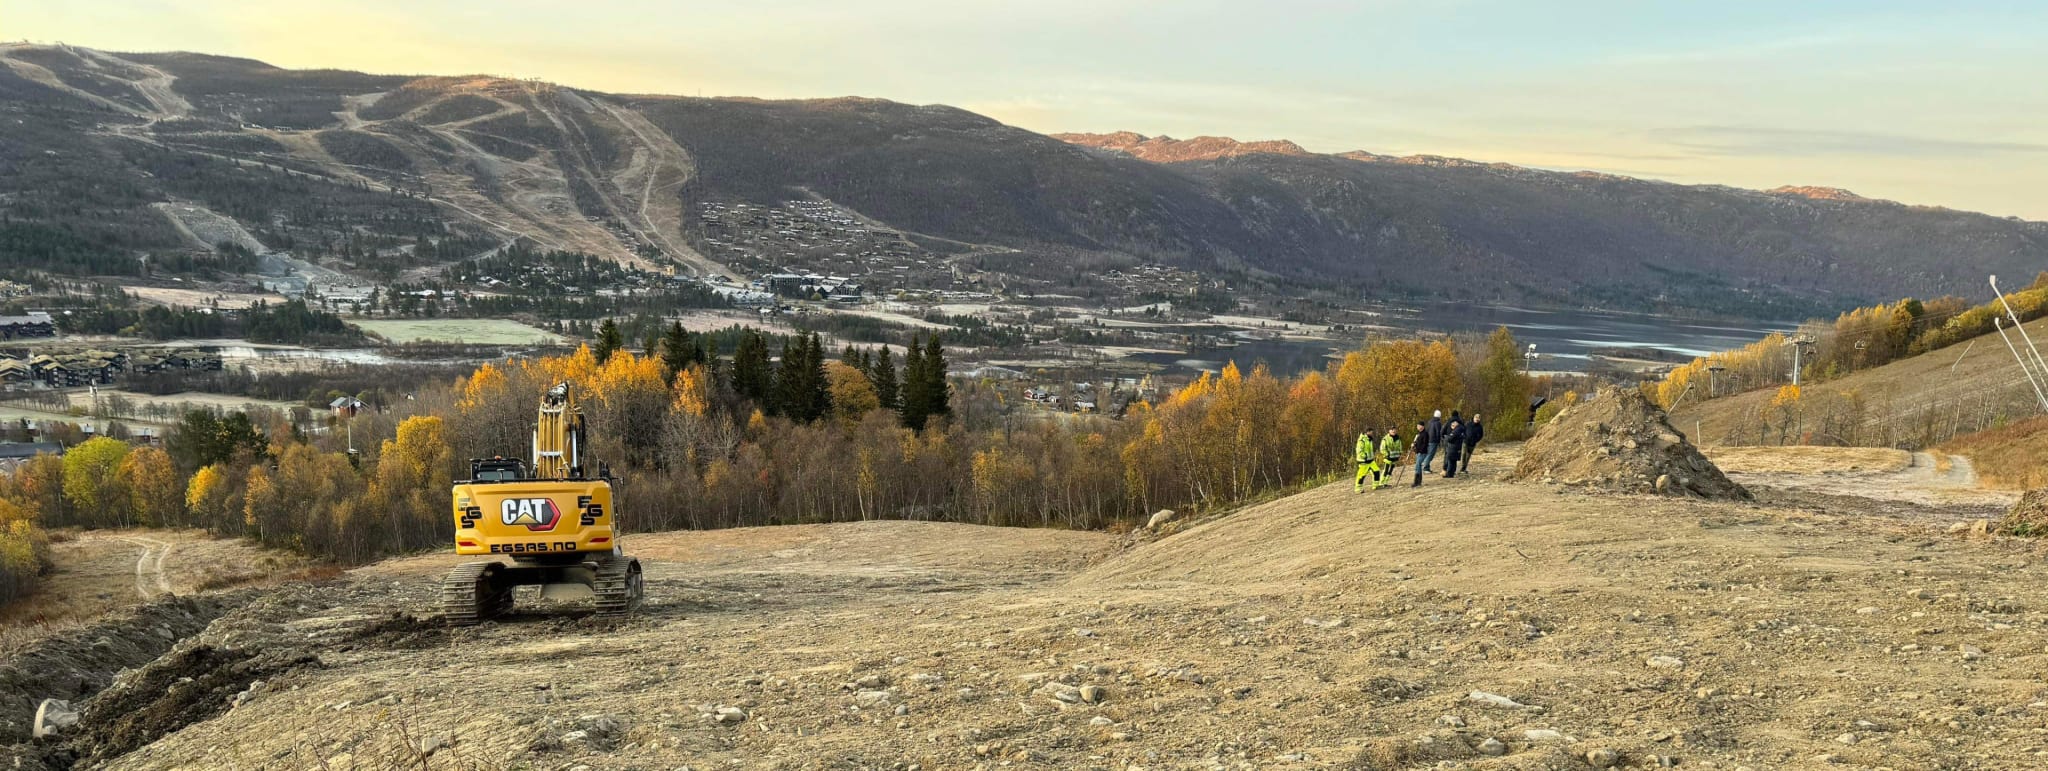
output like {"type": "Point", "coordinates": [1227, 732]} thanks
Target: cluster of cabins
{"type": "Point", "coordinates": [66, 370]}
{"type": "Point", "coordinates": [32, 324]}
{"type": "Point", "coordinates": [1112, 396]}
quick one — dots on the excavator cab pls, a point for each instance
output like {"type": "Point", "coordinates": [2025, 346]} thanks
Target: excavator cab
{"type": "Point", "coordinates": [496, 470]}
{"type": "Point", "coordinates": [543, 523]}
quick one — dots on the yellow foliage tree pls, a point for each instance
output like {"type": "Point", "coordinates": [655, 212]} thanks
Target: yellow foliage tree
{"type": "Point", "coordinates": [409, 489]}
{"type": "Point", "coordinates": [693, 391]}
{"type": "Point", "coordinates": [201, 491]}
{"type": "Point", "coordinates": [1306, 423]}
{"type": "Point", "coordinates": [92, 482]}
{"type": "Point", "coordinates": [23, 551]}
{"type": "Point", "coordinates": [853, 395]}
{"type": "Point", "coordinates": [484, 387]}
{"type": "Point", "coordinates": [1396, 383]}
{"type": "Point", "coordinates": [259, 498]}
{"type": "Point", "coordinates": [154, 488]}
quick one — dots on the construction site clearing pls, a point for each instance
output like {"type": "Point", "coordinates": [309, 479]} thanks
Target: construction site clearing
{"type": "Point", "coordinates": [1475, 623]}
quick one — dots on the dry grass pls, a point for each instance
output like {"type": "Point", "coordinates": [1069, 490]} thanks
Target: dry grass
{"type": "Point", "coordinates": [96, 573]}
{"type": "Point", "coordinates": [2012, 457]}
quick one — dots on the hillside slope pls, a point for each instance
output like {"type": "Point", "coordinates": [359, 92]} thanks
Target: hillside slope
{"type": "Point", "coordinates": [1497, 625]}
{"type": "Point", "coordinates": [1912, 402]}
{"type": "Point", "coordinates": [364, 167]}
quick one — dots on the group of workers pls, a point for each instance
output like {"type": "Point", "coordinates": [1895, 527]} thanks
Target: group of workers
{"type": "Point", "coordinates": [1379, 456]}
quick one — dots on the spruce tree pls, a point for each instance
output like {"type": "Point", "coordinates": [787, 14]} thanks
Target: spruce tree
{"type": "Point", "coordinates": [911, 401]}
{"type": "Point", "coordinates": [790, 396]}
{"type": "Point", "coordinates": [678, 351]}
{"type": "Point", "coordinates": [750, 374]}
{"type": "Point", "coordinates": [882, 372]}
{"type": "Point", "coordinates": [818, 394]}
{"type": "Point", "coordinates": [609, 341]}
{"type": "Point", "coordinates": [938, 397]}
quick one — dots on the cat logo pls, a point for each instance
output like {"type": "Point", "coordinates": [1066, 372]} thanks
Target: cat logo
{"type": "Point", "coordinates": [537, 514]}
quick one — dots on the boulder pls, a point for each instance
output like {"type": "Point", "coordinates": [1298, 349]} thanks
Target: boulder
{"type": "Point", "coordinates": [1161, 518]}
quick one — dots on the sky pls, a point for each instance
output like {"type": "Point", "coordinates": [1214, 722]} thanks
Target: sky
{"type": "Point", "coordinates": [1941, 104]}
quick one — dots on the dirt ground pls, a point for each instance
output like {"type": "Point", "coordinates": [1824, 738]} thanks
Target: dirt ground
{"type": "Point", "coordinates": [98, 573]}
{"type": "Point", "coordinates": [1937, 481]}
{"type": "Point", "coordinates": [1803, 459]}
{"type": "Point", "coordinates": [1471, 624]}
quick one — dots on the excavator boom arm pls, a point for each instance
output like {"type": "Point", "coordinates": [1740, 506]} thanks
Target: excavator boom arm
{"type": "Point", "coordinates": [558, 436]}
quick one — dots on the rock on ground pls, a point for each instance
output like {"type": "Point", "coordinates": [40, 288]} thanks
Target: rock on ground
{"type": "Point", "coordinates": [1619, 440]}
{"type": "Point", "coordinates": [52, 717]}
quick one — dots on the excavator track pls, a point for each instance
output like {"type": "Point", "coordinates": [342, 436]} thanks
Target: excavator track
{"type": "Point", "coordinates": [618, 585]}
{"type": "Point", "coordinates": [470, 596]}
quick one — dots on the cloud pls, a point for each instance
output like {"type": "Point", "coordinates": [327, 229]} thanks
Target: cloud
{"type": "Point", "coordinates": [1756, 141]}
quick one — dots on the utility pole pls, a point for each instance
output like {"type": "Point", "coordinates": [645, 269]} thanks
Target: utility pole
{"type": "Point", "coordinates": [1713, 371]}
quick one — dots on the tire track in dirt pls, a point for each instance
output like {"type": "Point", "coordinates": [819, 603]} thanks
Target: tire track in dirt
{"type": "Point", "coordinates": [150, 578]}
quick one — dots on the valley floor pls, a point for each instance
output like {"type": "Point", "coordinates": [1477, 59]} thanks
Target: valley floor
{"type": "Point", "coordinates": [1473, 623]}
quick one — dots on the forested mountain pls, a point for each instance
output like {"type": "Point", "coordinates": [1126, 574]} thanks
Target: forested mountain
{"type": "Point", "coordinates": [368, 169]}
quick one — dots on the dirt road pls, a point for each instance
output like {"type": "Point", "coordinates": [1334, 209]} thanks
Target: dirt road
{"type": "Point", "coordinates": [1942, 484]}
{"type": "Point", "coordinates": [1477, 623]}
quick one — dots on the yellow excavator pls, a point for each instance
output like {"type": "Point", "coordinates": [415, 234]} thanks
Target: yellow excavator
{"type": "Point", "coordinates": [552, 519]}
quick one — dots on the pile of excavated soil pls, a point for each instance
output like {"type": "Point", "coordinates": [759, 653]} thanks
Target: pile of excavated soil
{"type": "Point", "coordinates": [79, 663]}
{"type": "Point", "coordinates": [2029, 516]}
{"type": "Point", "coordinates": [1619, 440]}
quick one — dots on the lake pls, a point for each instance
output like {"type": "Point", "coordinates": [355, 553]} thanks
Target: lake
{"type": "Point", "coordinates": [1564, 340]}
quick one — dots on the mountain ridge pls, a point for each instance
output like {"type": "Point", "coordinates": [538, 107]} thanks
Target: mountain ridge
{"type": "Point", "coordinates": [307, 159]}
{"type": "Point", "coordinates": [1162, 148]}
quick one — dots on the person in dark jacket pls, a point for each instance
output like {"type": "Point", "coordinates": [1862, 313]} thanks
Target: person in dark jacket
{"type": "Point", "coordinates": [1422, 451]}
{"type": "Point", "coordinates": [1474, 432]}
{"type": "Point", "coordinates": [1435, 429]}
{"type": "Point", "coordinates": [1454, 439]}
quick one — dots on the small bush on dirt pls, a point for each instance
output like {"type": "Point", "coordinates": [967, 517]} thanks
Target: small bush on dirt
{"type": "Point", "coordinates": [2029, 517]}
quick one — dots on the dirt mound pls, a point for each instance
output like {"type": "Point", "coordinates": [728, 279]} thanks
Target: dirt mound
{"type": "Point", "coordinates": [1619, 440]}
{"type": "Point", "coordinates": [2029, 516]}
{"type": "Point", "coordinates": [81, 662]}
{"type": "Point", "coordinates": [238, 657]}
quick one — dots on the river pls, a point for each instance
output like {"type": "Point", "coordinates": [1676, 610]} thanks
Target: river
{"type": "Point", "coordinates": [1565, 340]}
